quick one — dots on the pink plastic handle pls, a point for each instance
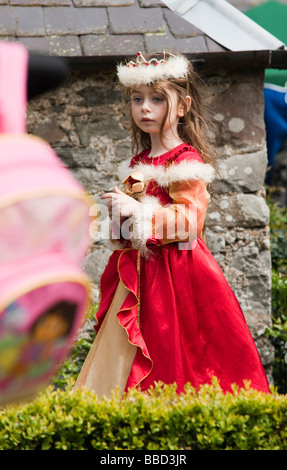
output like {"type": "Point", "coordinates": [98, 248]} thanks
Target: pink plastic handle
{"type": "Point", "coordinates": [13, 87]}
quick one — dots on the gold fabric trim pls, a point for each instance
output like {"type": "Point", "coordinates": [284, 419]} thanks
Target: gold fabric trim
{"type": "Point", "coordinates": [109, 361]}
{"type": "Point", "coordinates": [139, 279]}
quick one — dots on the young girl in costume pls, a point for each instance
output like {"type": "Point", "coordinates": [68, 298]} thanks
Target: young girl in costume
{"type": "Point", "coordinates": [167, 313]}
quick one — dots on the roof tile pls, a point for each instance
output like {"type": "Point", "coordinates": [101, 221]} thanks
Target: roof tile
{"type": "Point", "coordinates": [159, 42]}
{"type": "Point", "coordinates": [8, 22]}
{"type": "Point", "coordinates": [179, 27]}
{"type": "Point", "coordinates": [35, 44]}
{"type": "Point", "coordinates": [151, 3]}
{"type": "Point", "coordinates": [29, 21]}
{"type": "Point", "coordinates": [112, 45]}
{"type": "Point", "coordinates": [62, 46]}
{"type": "Point", "coordinates": [99, 27]}
{"type": "Point", "coordinates": [103, 3]}
{"type": "Point", "coordinates": [132, 20]}
{"type": "Point", "coordinates": [75, 21]}
{"type": "Point", "coordinates": [44, 3]}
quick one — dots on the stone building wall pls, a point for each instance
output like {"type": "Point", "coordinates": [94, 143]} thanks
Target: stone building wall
{"type": "Point", "coordinates": [85, 122]}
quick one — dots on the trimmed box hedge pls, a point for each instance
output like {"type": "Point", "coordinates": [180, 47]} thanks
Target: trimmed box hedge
{"type": "Point", "coordinates": [156, 420]}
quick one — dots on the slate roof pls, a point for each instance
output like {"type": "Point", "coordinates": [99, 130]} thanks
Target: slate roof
{"type": "Point", "coordinates": [106, 29]}
{"type": "Point", "coordinates": [82, 28]}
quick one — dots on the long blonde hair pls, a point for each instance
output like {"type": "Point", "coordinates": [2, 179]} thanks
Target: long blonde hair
{"type": "Point", "coordinates": [193, 127]}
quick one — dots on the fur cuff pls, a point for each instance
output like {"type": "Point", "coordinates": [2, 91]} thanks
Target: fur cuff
{"type": "Point", "coordinates": [142, 227]}
{"type": "Point", "coordinates": [113, 245]}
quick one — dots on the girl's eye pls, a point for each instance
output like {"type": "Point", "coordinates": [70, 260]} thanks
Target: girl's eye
{"type": "Point", "coordinates": [157, 99]}
{"type": "Point", "coordinates": [137, 99]}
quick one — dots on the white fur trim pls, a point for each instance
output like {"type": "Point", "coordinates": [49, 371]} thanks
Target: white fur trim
{"type": "Point", "coordinates": [142, 224]}
{"type": "Point", "coordinates": [114, 245]}
{"type": "Point", "coordinates": [124, 170]}
{"type": "Point", "coordinates": [153, 201]}
{"type": "Point", "coordinates": [141, 74]}
{"type": "Point", "coordinates": [185, 170]}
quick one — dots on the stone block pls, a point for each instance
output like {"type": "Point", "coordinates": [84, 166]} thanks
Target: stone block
{"type": "Point", "coordinates": [95, 158]}
{"type": "Point", "coordinates": [94, 181]}
{"type": "Point", "coordinates": [249, 258]}
{"type": "Point", "coordinates": [215, 240]}
{"type": "Point", "coordinates": [238, 106]}
{"type": "Point", "coordinates": [255, 300]}
{"type": "Point", "coordinates": [243, 210]}
{"type": "Point", "coordinates": [99, 159]}
{"type": "Point", "coordinates": [99, 94]}
{"type": "Point", "coordinates": [101, 125]}
{"type": "Point", "coordinates": [244, 256]}
{"type": "Point", "coordinates": [51, 132]}
{"type": "Point", "coordinates": [95, 262]}
{"type": "Point", "coordinates": [242, 172]}
{"type": "Point", "coordinates": [77, 158]}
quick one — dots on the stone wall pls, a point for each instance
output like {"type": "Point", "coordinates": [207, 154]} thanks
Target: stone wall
{"type": "Point", "coordinates": [85, 121]}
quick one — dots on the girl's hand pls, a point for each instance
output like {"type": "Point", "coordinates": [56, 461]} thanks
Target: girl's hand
{"type": "Point", "coordinates": [120, 204]}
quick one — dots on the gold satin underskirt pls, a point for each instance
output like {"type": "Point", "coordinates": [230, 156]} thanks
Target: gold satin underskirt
{"type": "Point", "coordinates": [109, 361]}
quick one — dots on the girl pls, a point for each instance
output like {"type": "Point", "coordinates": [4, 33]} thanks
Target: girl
{"type": "Point", "coordinates": [166, 312]}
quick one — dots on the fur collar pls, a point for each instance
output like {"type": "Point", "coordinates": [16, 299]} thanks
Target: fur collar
{"type": "Point", "coordinates": [185, 170]}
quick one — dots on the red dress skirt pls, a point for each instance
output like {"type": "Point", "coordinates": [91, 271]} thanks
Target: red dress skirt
{"type": "Point", "coordinates": [184, 319]}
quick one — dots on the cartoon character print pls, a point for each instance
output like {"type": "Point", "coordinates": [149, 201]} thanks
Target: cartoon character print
{"type": "Point", "coordinates": [29, 356]}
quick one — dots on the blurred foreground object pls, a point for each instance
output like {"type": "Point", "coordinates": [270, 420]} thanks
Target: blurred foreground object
{"type": "Point", "coordinates": [44, 73]}
{"type": "Point", "coordinates": [44, 236]}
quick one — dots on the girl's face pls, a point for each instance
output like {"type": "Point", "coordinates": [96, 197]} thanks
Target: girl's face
{"type": "Point", "coordinates": [149, 109]}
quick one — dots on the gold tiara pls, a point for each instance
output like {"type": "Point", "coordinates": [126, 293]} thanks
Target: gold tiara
{"type": "Point", "coordinates": [140, 60]}
{"type": "Point", "coordinates": [146, 72]}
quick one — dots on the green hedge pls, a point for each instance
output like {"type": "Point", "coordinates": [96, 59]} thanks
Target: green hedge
{"type": "Point", "coordinates": [157, 420]}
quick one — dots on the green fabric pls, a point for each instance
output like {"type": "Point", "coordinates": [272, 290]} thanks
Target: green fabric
{"type": "Point", "coordinates": [272, 16]}
{"type": "Point", "coordinates": [276, 77]}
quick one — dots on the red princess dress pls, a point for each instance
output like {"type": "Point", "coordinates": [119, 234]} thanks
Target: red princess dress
{"type": "Point", "coordinates": [166, 311]}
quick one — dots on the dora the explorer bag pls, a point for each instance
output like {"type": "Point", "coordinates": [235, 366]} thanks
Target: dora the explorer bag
{"type": "Point", "coordinates": [44, 236]}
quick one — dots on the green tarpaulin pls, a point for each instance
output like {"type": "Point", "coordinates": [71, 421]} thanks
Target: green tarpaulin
{"type": "Point", "coordinates": [272, 16]}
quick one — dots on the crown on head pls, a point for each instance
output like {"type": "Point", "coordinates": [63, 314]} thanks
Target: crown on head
{"type": "Point", "coordinates": [140, 60]}
{"type": "Point", "coordinates": [146, 72]}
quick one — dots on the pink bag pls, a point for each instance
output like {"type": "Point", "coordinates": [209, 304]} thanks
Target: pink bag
{"type": "Point", "coordinates": [44, 236]}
